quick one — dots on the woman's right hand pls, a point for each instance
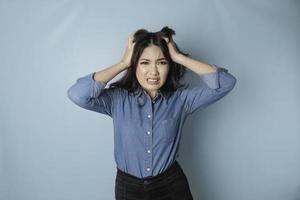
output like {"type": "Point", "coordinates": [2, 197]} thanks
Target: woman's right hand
{"type": "Point", "coordinates": [129, 50]}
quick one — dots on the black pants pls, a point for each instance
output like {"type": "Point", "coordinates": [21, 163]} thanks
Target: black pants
{"type": "Point", "coordinates": [172, 184]}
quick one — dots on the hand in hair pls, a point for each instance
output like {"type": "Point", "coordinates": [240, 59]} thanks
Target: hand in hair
{"type": "Point", "coordinates": [174, 53]}
{"type": "Point", "coordinates": [129, 50]}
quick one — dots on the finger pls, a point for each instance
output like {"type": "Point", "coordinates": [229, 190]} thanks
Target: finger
{"type": "Point", "coordinates": [131, 39]}
{"type": "Point", "coordinates": [128, 40]}
{"type": "Point", "coordinates": [166, 39]}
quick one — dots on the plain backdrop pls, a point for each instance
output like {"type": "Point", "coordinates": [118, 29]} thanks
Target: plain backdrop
{"type": "Point", "coordinates": [244, 147]}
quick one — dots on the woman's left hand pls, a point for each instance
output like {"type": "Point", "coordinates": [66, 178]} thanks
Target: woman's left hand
{"type": "Point", "coordinates": [172, 49]}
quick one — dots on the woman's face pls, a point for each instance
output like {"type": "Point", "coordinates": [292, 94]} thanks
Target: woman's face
{"type": "Point", "coordinates": [152, 69]}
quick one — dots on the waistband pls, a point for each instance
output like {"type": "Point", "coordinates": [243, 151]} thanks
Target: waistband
{"type": "Point", "coordinates": [174, 168]}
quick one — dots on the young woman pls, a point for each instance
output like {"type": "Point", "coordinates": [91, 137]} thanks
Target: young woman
{"type": "Point", "coordinates": [149, 106]}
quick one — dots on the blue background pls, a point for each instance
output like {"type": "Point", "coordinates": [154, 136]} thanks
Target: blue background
{"type": "Point", "coordinates": [244, 147]}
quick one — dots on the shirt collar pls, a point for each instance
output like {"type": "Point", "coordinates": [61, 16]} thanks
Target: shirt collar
{"type": "Point", "coordinates": [140, 93]}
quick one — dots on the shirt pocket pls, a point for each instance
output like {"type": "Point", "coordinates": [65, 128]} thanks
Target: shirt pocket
{"type": "Point", "coordinates": [169, 129]}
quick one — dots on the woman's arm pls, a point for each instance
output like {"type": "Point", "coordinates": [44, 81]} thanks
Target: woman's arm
{"type": "Point", "coordinates": [218, 83]}
{"type": "Point", "coordinates": [109, 73]}
{"type": "Point", "coordinates": [196, 66]}
{"type": "Point", "coordinates": [89, 91]}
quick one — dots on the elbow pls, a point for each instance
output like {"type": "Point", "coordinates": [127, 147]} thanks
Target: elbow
{"type": "Point", "coordinates": [80, 101]}
{"type": "Point", "coordinates": [229, 84]}
{"type": "Point", "coordinates": [232, 83]}
{"type": "Point", "coordinates": [229, 80]}
{"type": "Point", "coordinates": [72, 96]}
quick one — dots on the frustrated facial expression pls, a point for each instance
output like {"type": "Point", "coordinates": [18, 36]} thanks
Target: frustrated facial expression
{"type": "Point", "coordinates": [152, 69]}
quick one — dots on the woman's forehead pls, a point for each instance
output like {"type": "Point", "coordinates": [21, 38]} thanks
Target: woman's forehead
{"type": "Point", "coordinates": [152, 56]}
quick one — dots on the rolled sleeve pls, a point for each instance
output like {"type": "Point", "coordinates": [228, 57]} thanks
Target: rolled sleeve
{"type": "Point", "coordinates": [216, 85]}
{"type": "Point", "coordinates": [212, 79]}
{"type": "Point", "coordinates": [92, 95]}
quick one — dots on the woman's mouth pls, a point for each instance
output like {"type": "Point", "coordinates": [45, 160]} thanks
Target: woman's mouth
{"type": "Point", "coordinates": [153, 81]}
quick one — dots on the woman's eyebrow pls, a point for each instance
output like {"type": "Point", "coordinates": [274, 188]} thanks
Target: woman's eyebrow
{"type": "Point", "coordinates": [149, 60]}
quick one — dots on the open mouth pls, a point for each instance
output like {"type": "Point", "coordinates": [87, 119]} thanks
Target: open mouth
{"type": "Point", "coordinates": [153, 81]}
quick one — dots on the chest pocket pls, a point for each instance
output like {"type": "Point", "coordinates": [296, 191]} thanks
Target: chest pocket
{"type": "Point", "coordinates": [169, 129]}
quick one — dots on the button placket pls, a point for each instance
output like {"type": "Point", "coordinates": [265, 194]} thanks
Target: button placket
{"type": "Point", "coordinates": [148, 150]}
{"type": "Point", "coordinates": [148, 139]}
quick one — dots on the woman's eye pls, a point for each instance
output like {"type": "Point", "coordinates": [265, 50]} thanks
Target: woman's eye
{"type": "Point", "coordinates": [146, 63]}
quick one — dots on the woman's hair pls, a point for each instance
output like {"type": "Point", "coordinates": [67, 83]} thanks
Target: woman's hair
{"type": "Point", "coordinates": [143, 39]}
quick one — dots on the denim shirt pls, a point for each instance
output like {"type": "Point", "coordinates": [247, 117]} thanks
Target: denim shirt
{"type": "Point", "coordinates": [147, 130]}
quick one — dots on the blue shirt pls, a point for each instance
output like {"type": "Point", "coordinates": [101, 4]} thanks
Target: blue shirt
{"type": "Point", "coordinates": [147, 130]}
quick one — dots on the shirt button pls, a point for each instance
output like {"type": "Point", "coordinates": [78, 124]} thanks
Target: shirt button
{"type": "Point", "coordinates": [149, 151]}
{"type": "Point", "coordinates": [148, 169]}
{"type": "Point", "coordinates": [148, 132]}
{"type": "Point", "coordinates": [149, 116]}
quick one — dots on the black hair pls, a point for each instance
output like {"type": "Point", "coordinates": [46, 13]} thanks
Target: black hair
{"type": "Point", "coordinates": [143, 39]}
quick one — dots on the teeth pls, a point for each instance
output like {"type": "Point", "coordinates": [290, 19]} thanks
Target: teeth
{"type": "Point", "coordinates": [152, 79]}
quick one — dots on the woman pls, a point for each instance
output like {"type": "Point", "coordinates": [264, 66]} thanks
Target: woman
{"type": "Point", "coordinates": [149, 106]}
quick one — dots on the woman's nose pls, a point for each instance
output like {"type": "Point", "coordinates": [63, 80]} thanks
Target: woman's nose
{"type": "Point", "coordinates": [154, 70]}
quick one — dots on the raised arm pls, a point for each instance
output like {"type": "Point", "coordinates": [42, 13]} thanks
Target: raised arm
{"type": "Point", "coordinates": [89, 91]}
{"type": "Point", "coordinates": [218, 83]}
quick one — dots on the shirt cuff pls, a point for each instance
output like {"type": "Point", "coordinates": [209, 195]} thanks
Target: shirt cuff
{"type": "Point", "coordinates": [212, 79]}
{"type": "Point", "coordinates": [97, 86]}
